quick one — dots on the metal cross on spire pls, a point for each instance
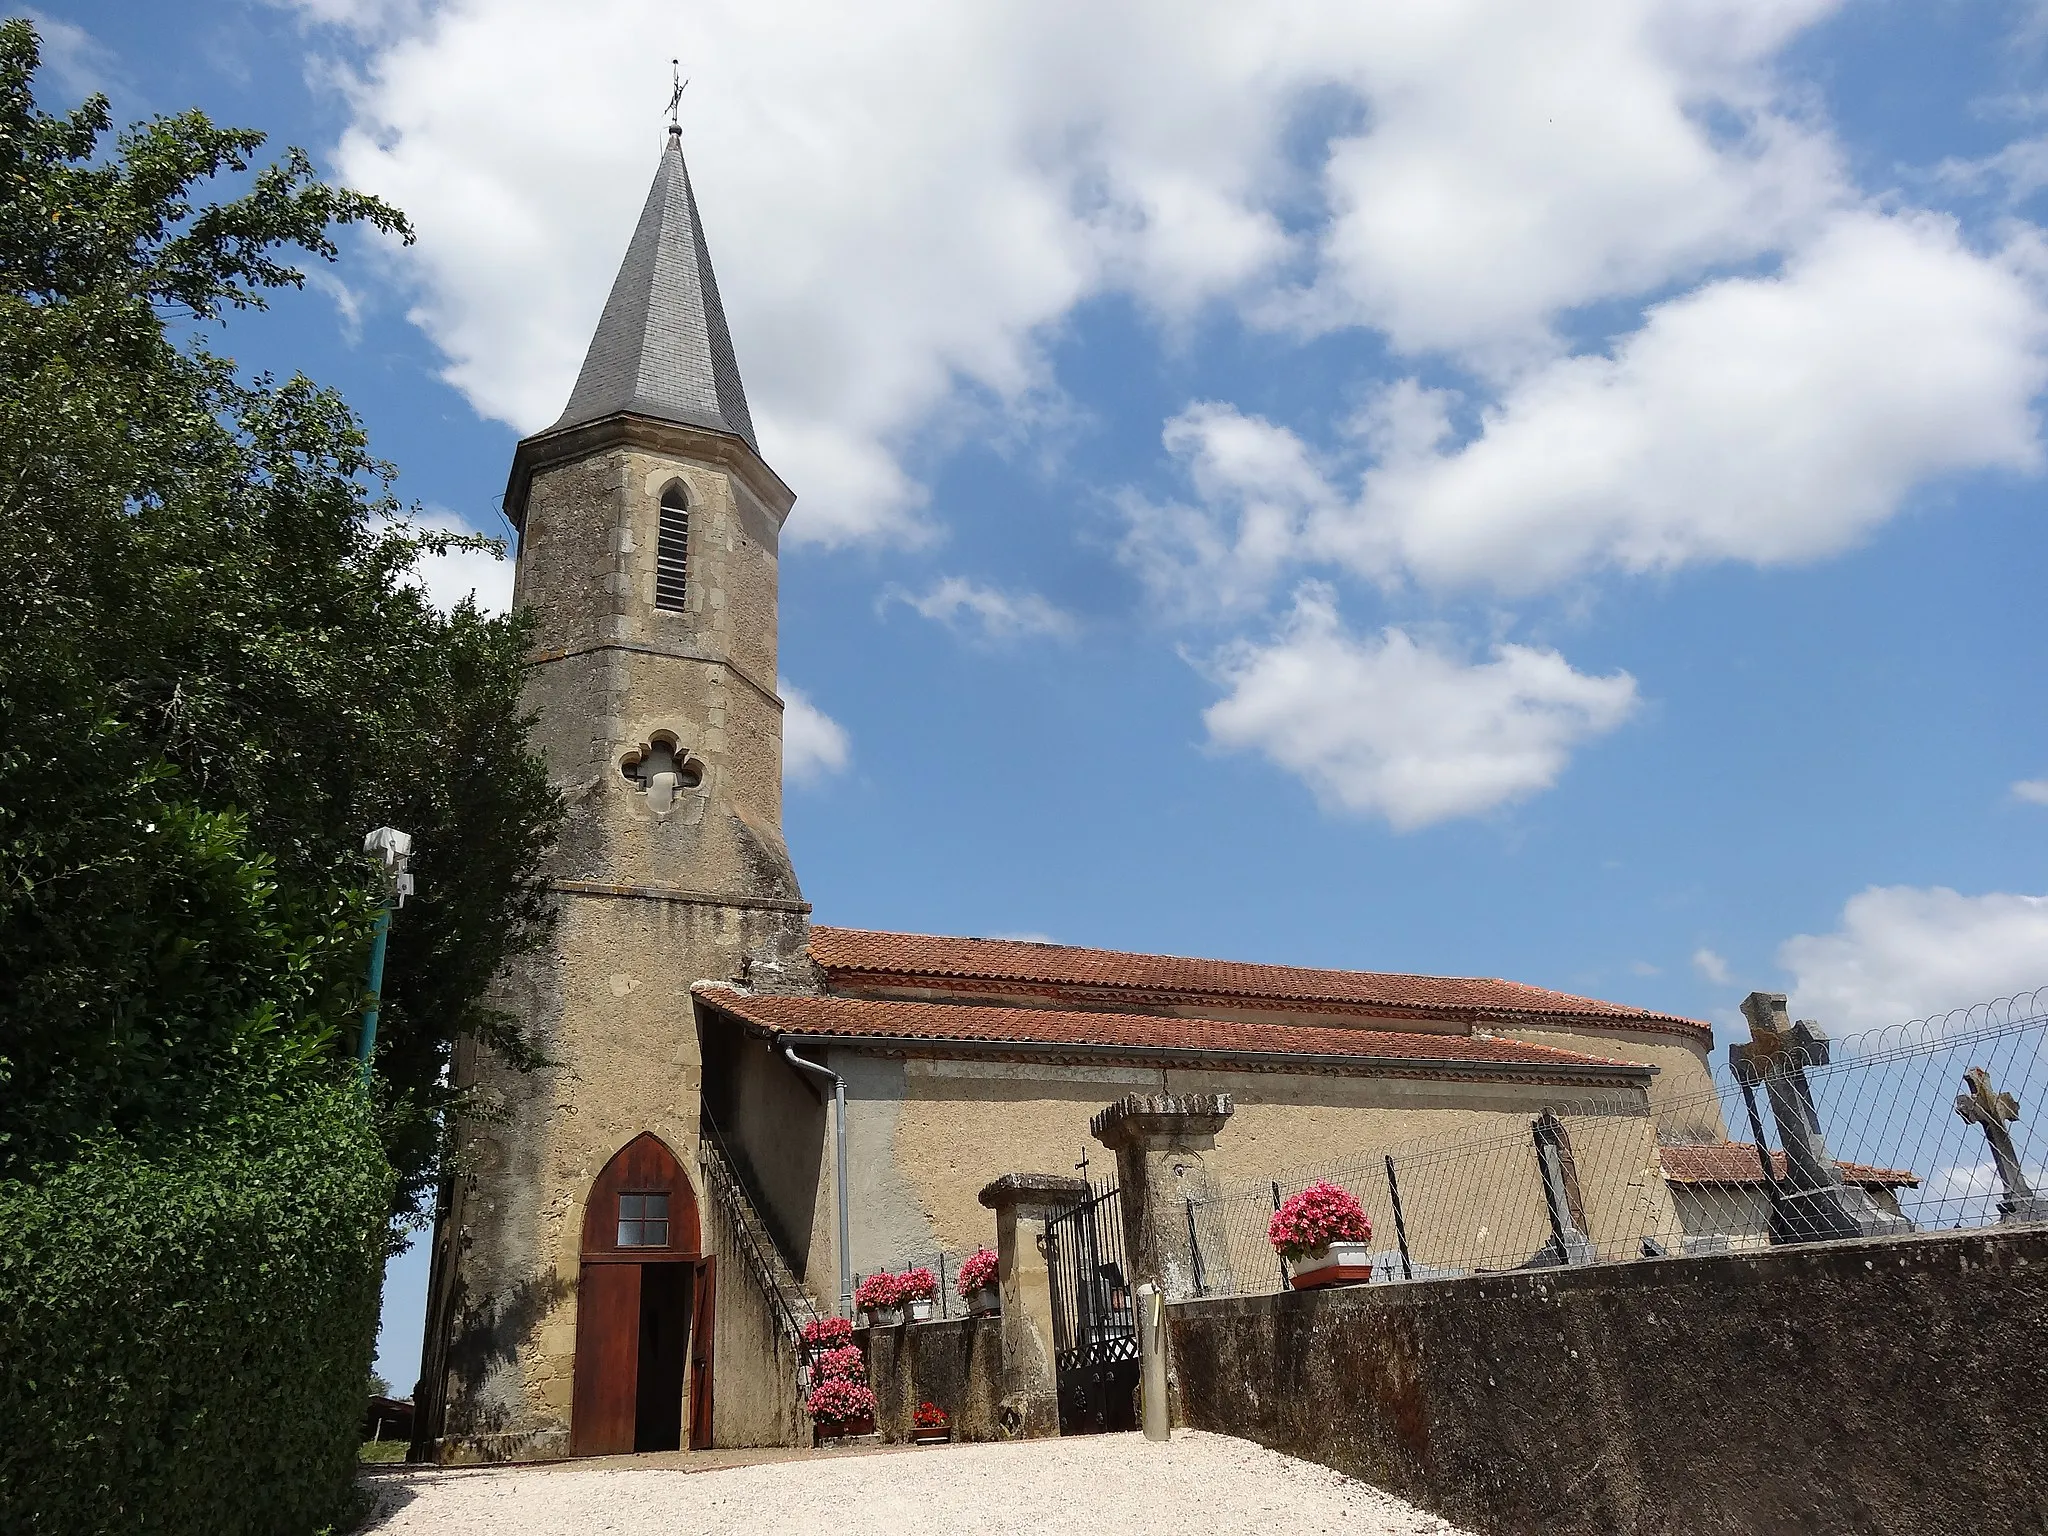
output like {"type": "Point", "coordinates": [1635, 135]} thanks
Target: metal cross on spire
{"type": "Point", "coordinates": [675, 96]}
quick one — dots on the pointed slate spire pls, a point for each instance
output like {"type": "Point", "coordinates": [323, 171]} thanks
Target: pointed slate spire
{"type": "Point", "coordinates": [661, 347]}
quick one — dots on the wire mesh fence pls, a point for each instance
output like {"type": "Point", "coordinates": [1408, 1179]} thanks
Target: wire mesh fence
{"type": "Point", "coordinates": [1925, 1126]}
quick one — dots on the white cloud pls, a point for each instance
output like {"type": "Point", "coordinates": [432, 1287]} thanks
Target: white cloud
{"type": "Point", "coordinates": [2031, 791]}
{"type": "Point", "coordinates": [814, 745]}
{"type": "Point", "coordinates": [1711, 966]}
{"type": "Point", "coordinates": [365, 18]}
{"type": "Point", "coordinates": [904, 197]}
{"type": "Point", "coordinates": [1400, 729]}
{"type": "Point", "coordinates": [1968, 1192]}
{"type": "Point", "coordinates": [1903, 953]}
{"type": "Point", "coordinates": [74, 61]}
{"type": "Point", "coordinates": [1766, 419]}
{"type": "Point", "coordinates": [2021, 167]}
{"type": "Point", "coordinates": [347, 301]}
{"type": "Point", "coordinates": [959, 603]}
{"type": "Point", "coordinates": [1563, 155]}
{"type": "Point", "coordinates": [448, 578]}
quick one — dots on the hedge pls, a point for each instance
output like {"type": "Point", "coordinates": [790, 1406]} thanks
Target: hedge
{"type": "Point", "coordinates": [185, 1332]}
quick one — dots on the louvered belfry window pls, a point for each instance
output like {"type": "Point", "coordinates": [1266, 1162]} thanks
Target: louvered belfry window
{"type": "Point", "coordinates": [671, 551]}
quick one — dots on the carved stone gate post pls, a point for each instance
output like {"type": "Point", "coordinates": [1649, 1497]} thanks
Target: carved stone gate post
{"type": "Point", "coordinates": [1030, 1405]}
{"type": "Point", "coordinates": [1159, 1140]}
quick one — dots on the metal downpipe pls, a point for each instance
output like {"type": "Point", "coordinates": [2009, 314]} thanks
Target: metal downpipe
{"type": "Point", "coordinates": [839, 1182]}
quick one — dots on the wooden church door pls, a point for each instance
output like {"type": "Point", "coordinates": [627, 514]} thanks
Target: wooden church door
{"type": "Point", "coordinates": [643, 1309]}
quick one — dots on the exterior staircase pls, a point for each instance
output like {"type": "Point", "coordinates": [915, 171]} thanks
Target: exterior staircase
{"type": "Point", "coordinates": [791, 1304]}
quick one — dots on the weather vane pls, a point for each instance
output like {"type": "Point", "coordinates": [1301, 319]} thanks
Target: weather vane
{"type": "Point", "coordinates": [675, 97]}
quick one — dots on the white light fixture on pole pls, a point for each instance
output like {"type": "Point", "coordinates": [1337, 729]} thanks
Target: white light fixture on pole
{"type": "Point", "coordinates": [393, 849]}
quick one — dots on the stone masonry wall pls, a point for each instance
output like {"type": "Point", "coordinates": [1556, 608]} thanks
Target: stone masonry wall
{"type": "Point", "coordinates": [1895, 1386]}
{"type": "Point", "coordinates": [656, 892]}
{"type": "Point", "coordinates": [957, 1365]}
{"type": "Point", "coordinates": [928, 1134]}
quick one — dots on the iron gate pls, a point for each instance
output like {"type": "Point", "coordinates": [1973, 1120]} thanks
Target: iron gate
{"type": "Point", "coordinates": [1094, 1316]}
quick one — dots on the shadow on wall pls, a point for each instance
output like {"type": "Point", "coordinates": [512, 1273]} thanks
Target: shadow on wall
{"type": "Point", "coordinates": [775, 1128]}
{"type": "Point", "coordinates": [488, 1336]}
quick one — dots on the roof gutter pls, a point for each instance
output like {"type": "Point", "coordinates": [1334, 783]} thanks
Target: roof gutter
{"type": "Point", "coordinates": [1620, 1071]}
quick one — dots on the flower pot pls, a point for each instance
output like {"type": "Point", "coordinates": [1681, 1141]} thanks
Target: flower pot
{"type": "Point", "coordinates": [1338, 1264]}
{"type": "Point", "coordinates": [980, 1303]}
{"type": "Point", "coordinates": [931, 1436]}
{"type": "Point", "coordinates": [842, 1429]}
{"type": "Point", "coordinates": [921, 1311]}
{"type": "Point", "coordinates": [885, 1317]}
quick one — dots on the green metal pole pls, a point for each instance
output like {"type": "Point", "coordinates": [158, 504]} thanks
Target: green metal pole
{"type": "Point", "coordinates": [369, 1036]}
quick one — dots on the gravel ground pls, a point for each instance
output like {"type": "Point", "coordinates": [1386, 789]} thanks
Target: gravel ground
{"type": "Point", "coordinates": [1198, 1482]}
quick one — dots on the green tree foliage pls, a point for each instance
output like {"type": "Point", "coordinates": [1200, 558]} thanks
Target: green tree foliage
{"type": "Point", "coordinates": [216, 670]}
{"type": "Point", "coordinates": [187, 1332]}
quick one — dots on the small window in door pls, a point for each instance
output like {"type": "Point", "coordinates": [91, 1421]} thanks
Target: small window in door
{"type": "Point", "coordinates": [643, 1221]}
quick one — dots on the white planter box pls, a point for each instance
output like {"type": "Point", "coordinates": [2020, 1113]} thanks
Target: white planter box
{"type": "Point", "coordinates": [921, 1311]}
{"type": "Point", "coordinates": [980, 1303]}
{"type": "Point", "coordinates": [885, 1317]}
{"type": "Point", "coordinates": [1339, 1264]}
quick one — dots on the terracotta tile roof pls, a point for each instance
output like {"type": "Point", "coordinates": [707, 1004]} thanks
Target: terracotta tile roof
{"type": "Point", "coordinates": [1036, 1030]}
{"type": "Point", "coordinates": [850, 954]}
{"type": "Point", "coordinates": [1734, 1162]}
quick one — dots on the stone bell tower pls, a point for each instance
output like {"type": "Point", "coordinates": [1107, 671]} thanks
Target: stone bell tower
{"type": "Point", "coordinates": [648, 526]}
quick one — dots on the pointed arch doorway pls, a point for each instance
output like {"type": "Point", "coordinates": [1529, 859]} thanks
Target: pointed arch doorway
{"type": "Point", "coordinates": [644, 1310]}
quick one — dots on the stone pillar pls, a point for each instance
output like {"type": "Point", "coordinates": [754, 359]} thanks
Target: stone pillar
{"type": "Point", "coordinates": [1159, 1141]}
{"type": "Point", "coordinates": [1030, 1405]}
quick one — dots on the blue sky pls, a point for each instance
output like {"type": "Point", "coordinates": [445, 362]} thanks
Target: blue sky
{"type": "Point", "coordinates": [1547, 492]}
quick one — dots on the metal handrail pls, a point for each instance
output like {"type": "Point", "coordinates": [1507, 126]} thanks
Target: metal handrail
{"type": "Point", "coordinates": [724, 1172]}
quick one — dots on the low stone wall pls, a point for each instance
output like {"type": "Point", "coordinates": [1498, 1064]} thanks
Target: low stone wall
{"type": "Point", "coordinates": [1895, 1386]}
{"type": "Point", "coordinates": [958, 1365]}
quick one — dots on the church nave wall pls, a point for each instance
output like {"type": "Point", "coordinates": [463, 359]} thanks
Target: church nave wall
{"type": "Point", "coordinates": [940, 1130]}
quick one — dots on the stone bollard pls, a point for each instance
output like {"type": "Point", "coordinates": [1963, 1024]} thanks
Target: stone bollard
{"type": "Point", "coordinates": [1030, 1402]}
{"type": "Point", "coordinates": [1155, 1412]}
{"type": "Point", "coordinates": [1159, 1141]}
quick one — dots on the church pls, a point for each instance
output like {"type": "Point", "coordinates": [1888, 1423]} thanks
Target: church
{"type": "Point", "coordinates": [741, 1110]}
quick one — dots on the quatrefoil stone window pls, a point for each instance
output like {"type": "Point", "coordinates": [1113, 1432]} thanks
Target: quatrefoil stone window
{"type": "Point", "coordinates": [661, 768]}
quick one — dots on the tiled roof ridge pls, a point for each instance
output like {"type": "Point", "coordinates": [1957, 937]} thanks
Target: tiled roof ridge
{"type": "Point", "coordinates": [1027, 1029]}
{"type": "Point", "coordinates": [833, 949]}
{"type": "Point", "coordinates": [1741, 1166]}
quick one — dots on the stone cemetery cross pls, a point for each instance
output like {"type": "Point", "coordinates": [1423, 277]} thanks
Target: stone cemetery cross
{"type": "Point", "coordinates": [1812, 1205]}
{"type": "Point", "coordinates": [1981, 1106]}
{"type": "Point", "coordinates": [1567, 1208]}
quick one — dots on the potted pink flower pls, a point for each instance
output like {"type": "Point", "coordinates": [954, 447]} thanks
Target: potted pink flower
{"type": "Point", "coordinates": [839, 1407]}
{"type": "Point", "coordinates": [917, 1289]}
{"type": "Point", "coordinates": [881, 1297]}
{"type": "Point", "coordinates": [840, 1401]}
{"type": "Point", "coordinates": [1322, 1233]}
{"type": "Point", "coordinates": [822, 1333]}
{"type": "Point", "coordinates": [977, 1283]}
